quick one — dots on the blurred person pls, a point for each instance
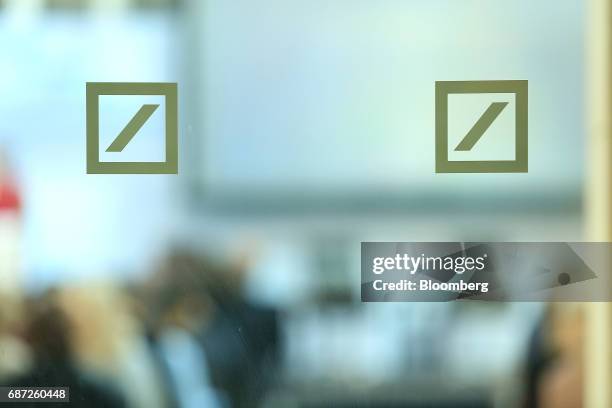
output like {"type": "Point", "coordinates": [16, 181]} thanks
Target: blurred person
{"type": "Point", "coordinates": [10, 230]}
{"type": "Point", "coordinates": [186, 361]}
{"type": "Point", "coordinates": [179, 306]}
{"type": "Point", "coordinates": [237, 339]}
{"type": "Point", "coordinates": [47, 332]}
{"type": "Point", "coordinates": [109, 340]}
{"type": "Point", "coordinates": [241, 338]}
{"type": "Point", "coordinates": [554, 369]}
{"type": "Point", "coordinates": [15, 356]}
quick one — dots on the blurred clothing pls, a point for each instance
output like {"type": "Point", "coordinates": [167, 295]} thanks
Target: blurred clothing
{"type": "Point", "coordinates": [241, 346]}
{"type": "Point", "coordinates": [186, 365]}
{"type": "Point", "coordinates": [9, 198]}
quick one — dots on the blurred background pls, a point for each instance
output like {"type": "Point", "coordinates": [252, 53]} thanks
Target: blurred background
{"type": "Point", "coordinates": [305, 127]}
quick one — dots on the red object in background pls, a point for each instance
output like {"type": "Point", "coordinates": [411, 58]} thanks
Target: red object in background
{"type": "Point", "coordinates": [9, 197]}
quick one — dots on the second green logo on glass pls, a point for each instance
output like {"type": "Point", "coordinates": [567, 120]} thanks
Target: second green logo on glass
{"type": "Point", "coordinates": [487, 118]}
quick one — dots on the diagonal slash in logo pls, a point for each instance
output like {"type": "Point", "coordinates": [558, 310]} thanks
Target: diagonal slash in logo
{"type": "Point", "coordinates": [480, 127]}
{"type": "Point", "coordinates": [133, 126]}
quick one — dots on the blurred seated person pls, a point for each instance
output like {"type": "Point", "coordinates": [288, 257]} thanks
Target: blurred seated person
{"type": "Point", "coordinates": [238, 340]}
{"type": "Point", "coordinates": [47, 332]}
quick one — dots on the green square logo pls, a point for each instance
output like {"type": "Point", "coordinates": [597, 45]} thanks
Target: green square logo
{"type": "Point", "coordinates": [93, 92]}
{"type": "Point", "coordinates": [516, 87]}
